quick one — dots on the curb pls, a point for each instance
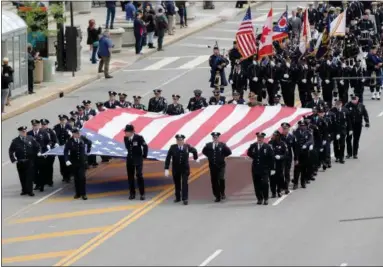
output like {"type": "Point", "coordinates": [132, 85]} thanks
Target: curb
{"type": "Point", "coordinates": [56, 95]}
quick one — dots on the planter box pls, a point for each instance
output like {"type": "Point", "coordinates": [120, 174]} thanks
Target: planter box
{"type": "Point", "coordinates": [82, 7]}
{"type": "Point", "coordinates": [116, 37]}
{"type": "Point", "coordinates": [128, 38]}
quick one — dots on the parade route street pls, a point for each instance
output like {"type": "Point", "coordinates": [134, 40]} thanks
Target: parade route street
{"type": "Point", "coordinates": [337, 220]}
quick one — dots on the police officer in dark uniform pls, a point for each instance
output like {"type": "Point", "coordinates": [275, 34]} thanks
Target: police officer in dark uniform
{"type": "Point", "coordinates": [123, 103]}
{"type": "Point", "coordinates": [289, 140]}
{"type": "Point", "coordinates": [315, 102]}
{"type": "Point", "coordinates": [234, 55]}
{"type": "Point", "coordinates": [89, 112]}
{"type": "Point", "coordinates": [179, 155]}
{"type": "Point", "coordinates": [197, 102]}
{"type": "Point", "coordinates": [216, 152]}
{"type": "Point", "coordinates": [303, 141]}
{"type": "Point", "coordinates": [23, 151]}
{"type": "Point", "coordinates": [137, 151]}
{"type": "Point", "coordinates": [277, 181]}
{"type": "Point", "coordinates": [287, 85]}
{"type": "Point", "coordinates": [357, 113]}
{"type": "Point", "coordinates": [255, 76]}
{"type": "Point", "coordinates": [75, 155]}
{"type": "Point", "coordinates": [52, 144]}
{"type": "Point", "coordinates": [175, 108]}
{"type": "Point", "coordinates": [137, 103]}
{"type": "Point", "coordinates": [157, 103]}
{"type": "Point", "coordinates": [217, 99]}
{"type": "Point", "coordinates": [262, 167]}
{"type": "Point", "coordinates": [74, 118]}
{"type": "Point", "coordinates": [237, 100]}
{"type": "Point", "coordinates": [342, 127]}
{"type": "Point", "coordinates": [42, 138]}
{"type": "Point", "coordinates": [112, 103]}
{"type": "Point", "coordinates": [238, 79]}
{"type": "Point", "coordinates": [81, 115]}
{"type": "Point", "coordinates": [329, 118]}
{"type": "Point", "coordinates": [63, 133]}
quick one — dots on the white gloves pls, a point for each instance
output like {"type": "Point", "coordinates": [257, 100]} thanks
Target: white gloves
{"type": "Point", "coordinates": [311, 147]}
{"type": "Point", "coordinates": [197, 160]}
{"type": "Point", "coordinates": [327, 81]}
{"type": "Point", "coordinates": [363, 80]}
{"type": "Point", "coordinates": [321, 150]}
{"type": "Point", "coordinates": [90, 116]}
{"type": "Point", "coordinates": [350, 133]}
{"type": "Point", "coordinates": [234, 102]}
{"type": "Point", "coordinates": [166, 173]}
{"type": "Point", "coordinates": [57, 145]}
{"type": "Point", "coordinates": [270, 80]}
{"type": "Point", "coordinates": [70, 133]}
{"type": "Point", "coordinates": [277, 157]}
{"type": "Point", "coordinates": [304, 80]}
{"type": "Point", "coordinates": [286, 76]}
{"type": "Point", "coordinates": [324, 142]}
{"type": "Point", "coordinates": [337, 136]}
{"type": "Point", "coordinates": [48, 147]}
{"type": "Point", "coordinates": [288, 65]}
{"type": "Point", "coordinates": [68, 163]}
{"type": "Point", "coordinates": [255, 79]}
{"type": "Point", "coordinates": [272, 63]}
{"type": "Point", "coordinates": [231, 82]}
{"type": "Point", "coordinates": [39, 154]}
{"type": "Point", "coordinates": [272, 172]}
{"type": "Point", "coordinates": [341, 82]}
{"type": "Point", "coordinates": [304, 146]}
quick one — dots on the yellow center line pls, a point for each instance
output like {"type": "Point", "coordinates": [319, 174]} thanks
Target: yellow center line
{"type": "Point", "coordinates": [34, 257]}
{"type": "Point", "coordinates": [76, 214]}
{"type": "Point", "coordinates": [54, 235]}
{"type": "Point", "coordinates": [120, 225]}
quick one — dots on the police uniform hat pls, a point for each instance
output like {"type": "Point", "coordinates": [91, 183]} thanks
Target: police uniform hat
{"type": "Point", "coordinates": [136, 97]}
{"type": "Point", "coordinates": [122, 95]}
{"type": "Point", "coordinates": [112, 93]}
{"type": "Point", "coordinates": [86, 102]}
{"type": "Point", "coordinates": [285, 125]}
{"type": "Point", "coordinates": [216, 47]}
{"type": "Point", "coordinates": [80, 107]}
{"type": "Point", "coordinates": [72, 120]}
{"type": "Point", "coordinates": [235, 93]}
{"type": "Point", "coordinates": [22, 128]}
{"type": "Point", "coordinates": [277, 96]}
{"type": "Point", "coordinates": [63, 116]}
{"type": "Point", "coordinates": [302, 123]}
{"type": "Point", "coordinates": [197, 92]}
{"type": "Point", "coordinates": [35, 122]}
{"type": "Point", "coordinates": [73, 113]}
{"type": "Point", "coordinates": [44, 121]}
{"type": "Point", "coordinates": [234, 42]}
{"type": "Point", "coordinates": [129, 128]}
{"type": "Point", "coordinates": [75, 130]}
{"type": "Point", "coordinates": [176, 96]}
{"type": "Point", "coordinates": [157, 91]}
{"type": "Point", "coordinates": [260, 134]}
{"type": "Point", "coordinates": [99, 104]}
{"type": "Point", "coordinates": [215, 134]}
{"type": "Point", "coordinates": [353, 97]}
{"type": "Point", "coordinates": [180, 137]}
{"type": "Point", "coordinates": [276, 133]}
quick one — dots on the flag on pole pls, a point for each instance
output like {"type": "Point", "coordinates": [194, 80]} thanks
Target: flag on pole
{"type": "Point", "coordinates": [338, 25]}
{"type": "Point", "coordinates": [305, 36]}
{"type": "Point", "coordinates": [245, 37]}
{"type": "Point", "coordinates": [281, 29]}
{"type": "Point", "coordinates": [266, 42]}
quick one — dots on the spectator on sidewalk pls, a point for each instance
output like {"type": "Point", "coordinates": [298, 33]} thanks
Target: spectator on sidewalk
{"type": "Point", "coordinates": [181, 5]}
{"type": "Point", "coordinates": [110, 13]}
{"type": "Point", "coordinates": [170, 14]}
{"type": "Point", "coordinates": [139, 30]}
{"type": "Point", "coordinates": [161, 26]}
{"type": "Point", "coordinates": [8, 71]}
{"type": "Point", "coordinates": [150, 26]}
{"type": "Point", "coordinates": [130, 11]}
{"type": "Point", "coordinates": [93, 37]}
{"type": "Point", "coordinates": [123, 5]}
{"type": "Point", "coordinates": [31, 67]}
{"type": "Point", "coordinates": [105, 52]}
{"type": "Point", "coordinates": [6, 80]}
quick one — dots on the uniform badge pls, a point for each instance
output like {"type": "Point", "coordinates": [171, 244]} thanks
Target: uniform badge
{"type": "Point", "coordinates": [192, 103]}
{"type": "Point", "coordinates": [265, 150]}
{"type": "Point", "coordinates": [29, 143]}
{"type": "Point", "coordinates": [350, 108]}
{"type": "Point", "coordinates": [135, 143]}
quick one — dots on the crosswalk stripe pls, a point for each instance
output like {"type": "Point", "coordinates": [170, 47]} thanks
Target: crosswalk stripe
{"type": "Point", "coordinates": [223, 30]}
{"type": "Point", "coordinates": [195, 62]}
{"type": "Point", "coordinates": [264, 17]}
{"type": "Point", "coordinates": [162, 63]}
{"type": "Point", "coordinates": [214, 38]}
{"type": "Point", "coordinates": [257, 21]}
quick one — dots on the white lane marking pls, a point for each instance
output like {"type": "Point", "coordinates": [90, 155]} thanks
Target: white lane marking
{"type": "Point", "coordinates": [193, 56]}
{"type": "Point", "coordinates": [279, 200]}
{"type": "Point", "coordinates": [47, 196]}
{"type": "Point", "coordinates": [5, 163]}
{"type": "Point", "coordinates": [344, 264]}
{"type": "Point", "coordinates": [162, 63]}
{"type": "Point", "coordinates": [195, 62]}
{"type": "Point", "coordinates": [214, 38]}
{"type": "Point", "coordinates": [211, 257]}
{"type": "Point", "coordinates": [223, 30]}
{"type": "Point", "coordinates": [168, 69]}
{"type": "Point", "coordinates": [380, 114]}
{"type": "Point", "coordinates": [267, 9]}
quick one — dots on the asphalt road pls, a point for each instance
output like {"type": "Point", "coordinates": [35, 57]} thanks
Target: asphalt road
{"type": "Point", "coordinates": [336, 220]}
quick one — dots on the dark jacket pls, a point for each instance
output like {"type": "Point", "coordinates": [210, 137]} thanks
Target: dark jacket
{"type": "Point", "coordinates": [42, 138]}
{"type": "Point", "coordinates": [139, 27]}
{"type": "Point", "coordinates": [6, 76]}
{"type": "Point", "coordinates": [26, 149]}
{"type": "Point", "coordinates": [76, 152]}
{"type": "Point", "coordinates": [149, 19]}
{"type": "Point", "coordinates": [137, 149]}
{"type": "Point", "coordinates": [180, 158]}
{"type": "Point", "coordinates": [263, 159]}
{"type": "Point", "coordinates": [93, 35]}
{"type": "Point", "coordinates": [62, 134]}
{"type": "Point", "coordinates": [216, 156]}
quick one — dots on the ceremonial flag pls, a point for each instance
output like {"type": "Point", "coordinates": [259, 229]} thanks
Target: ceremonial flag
{"type": "Point", "coordinates": [245, 37]}
{"type": "Point", "coordinates": [281, 29]}
{"type": "Point", "coordinates": [323, 46]}
{"type": "Point", "coordinates": [338, 25]}
{"type": "Point", "coordinates": [236, 123]}
{"type": "Point", "coordinates": [266, 42]}
{"type": "Point", "coordinates": [305, 36]}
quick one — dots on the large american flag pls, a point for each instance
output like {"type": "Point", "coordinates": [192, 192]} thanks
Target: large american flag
{"type": "Point", "coordinates": [246, 36]}
{"type": "Point", "coordinates": [236, 123]}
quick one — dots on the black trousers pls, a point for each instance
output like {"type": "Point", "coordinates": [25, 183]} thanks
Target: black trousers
{"type": "Point", "coordinates": [288, 90]}
{"type": "Point", "coordinates": [302, 171]}
{"type": "Point", "coordinates": [286, 172]}
{"type": "Point", "coordinates": [327, 153]}
{"type": "Point", "coordinates": [26, 171]}
{"type": "Point", "coordinates": [160, 40]}
{"type": "Point", "coordinates": [78, 171]}
{"type": "Point", "coordinates": [327, 93]}
{"type": "Point", "coordinates": [50, 160]}
{"type": "Point", "coordinates": [343, 93]}
{"type": "Point", "coordinates": [271, 91]}
{"type": "Point", "coordinates": [217, 175]}
{"type": "Point", "coordinates": [180, 179]}
{"type": "Point", "coordinates": [30, 81]}
{"type": "Point", "coordinates": [92, 160]}
{"type": "Point", "coordinates": [135, 170]}
{"type": "Point", "coordinates": [277, 182]}
{"type": "Point", "coordinates": [261, 185]}
{"type": "Point", "coordinates": [64, 170]}
{"type": "Point", "coordinates": [41, 172]}
{"type": "Point", "coordinates": [353, 140]}
{"type": "Point", "coordinates": [339, 146]}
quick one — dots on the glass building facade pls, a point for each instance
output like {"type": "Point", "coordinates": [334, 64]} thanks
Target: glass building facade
{"type": "Point", "coordinates": [14, 46]}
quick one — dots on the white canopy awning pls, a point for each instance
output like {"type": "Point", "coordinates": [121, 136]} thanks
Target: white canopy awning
{"type": "Point", "coordinates": [11, 25]}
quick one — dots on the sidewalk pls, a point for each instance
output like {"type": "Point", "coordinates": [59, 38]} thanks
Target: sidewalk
{"type": "Point", "coordinates": [64, 83]}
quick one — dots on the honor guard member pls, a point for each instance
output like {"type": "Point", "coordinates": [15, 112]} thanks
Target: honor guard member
{"type": "Point", "coordinates": [23, 151]}
{"type": "Point", "coordinates": [157, 103]}
{"type": "Point", "coordinates": [63, 133]}
{"type": "Point", "coordinates": [217, 64]}
{"type": "Point", "coordinates": [175, 108]}
{"type": "Point", "coordinates": [254, 73]}
{"type": "Point", "coordinates": [357, 113]}
{"type": "Point", "coordinates": [42, 138]}
{"type": "Point", "coordinates": [237, 100]}
{"type": "Point", "coordinates": [89, 112]}
{"type": "Point", "coordinates": [81, 115]}
{"type": "Point", "coordinates": [217, 99]}
{"type": "Point", "coordinates": [303, 143]}
{"type": "Point", "coordinates": [329, 117]}
{"type": "Point", "coordinates": [112, 103]}
{"type": "Point", "coordinates": [238, 79]}
{"type": "Point", "coordinates": [100, 107]}
{"type": "Point", "coordinates": [72, 122]}
{"type": "Point", "coordinates": [137, 151]}
{"type": "Point", "coordinates": [179, 155]}
{"type": "Point", "coordinates": [75, 155]}
{"type": "Point", "coordinates": [123, 103]}
{"type": "Point", "coordinates": [316, 102]}
{"type": "Point", "coordinates": [234, 55]}
{"type": "Point", "coordinates": [287, 85]}
{"type": "Point", "coordinates": [325, 135]}
{"type": "Point", "coordinates": [197, 102]}
{"type": "Point", "coordinates": [52, 144]}
{"type": "Point", "coordinates": [289, 140]}
{"type": "Point", "coordinates": [277, 181]}
{"type": "Point", "coordinates": [216, 152]}
{"type": "Point", "coordinates": [137, 103]}
{"type": "Point", "coordinates": [342, 128]}
{"type": "Point", "coordinates": [262, 167]}
{"type": "Point", "coordinates": [357, 84]}
{"type": "Point", "coordinates": [74, 119]}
